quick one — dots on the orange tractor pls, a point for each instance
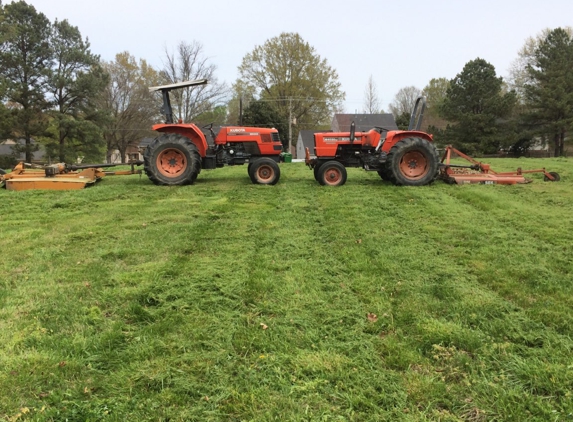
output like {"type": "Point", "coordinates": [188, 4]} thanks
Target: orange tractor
{"type": "Point", "coordinates": [179, 153]}
{"type": "Point", "coordinates": [404, 157]}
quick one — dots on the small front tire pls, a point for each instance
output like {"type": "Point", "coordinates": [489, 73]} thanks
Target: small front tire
{"type": "Point", "coordinates": [264, 171]}
{"type": "Point", "coordinates": [331, 173]}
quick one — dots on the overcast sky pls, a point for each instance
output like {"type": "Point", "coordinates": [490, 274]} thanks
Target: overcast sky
{"type": "Point", "coordinates": [399, 43]}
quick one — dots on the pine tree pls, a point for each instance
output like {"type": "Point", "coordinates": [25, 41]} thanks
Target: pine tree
{"type": "Point", "coordinates": [549, 94]}
{"type": "Point", "coordinates": [476, 105]}
{"type": "Point", "coordinates": [25, 62]}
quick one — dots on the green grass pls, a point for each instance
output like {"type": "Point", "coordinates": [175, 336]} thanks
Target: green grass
{"type": "Point", "coordinates": [231, 301]}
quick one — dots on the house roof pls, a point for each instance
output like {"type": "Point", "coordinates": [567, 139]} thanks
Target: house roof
{"type": "Point", "coordinates": [363, 122]}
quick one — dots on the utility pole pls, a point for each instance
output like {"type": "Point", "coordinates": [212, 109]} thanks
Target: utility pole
{"type": "Point", "coordinates": [289, 124]}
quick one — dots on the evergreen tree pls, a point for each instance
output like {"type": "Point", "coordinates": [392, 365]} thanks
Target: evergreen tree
{"type": "Point", "coordinates": [549, 93]}
{"type": "Point", "coordinates": [477, 106]}
{"type": "Point", "coordinates": [75, 81]}
{"type": "Point", "coordinates": [25, 63]}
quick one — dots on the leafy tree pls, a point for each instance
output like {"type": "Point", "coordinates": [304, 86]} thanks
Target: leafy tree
{"type": "Point", "coordinates": [404, 101]}
{"type": "Point", "coordinates": [190, 64]}
{"type": "Point", "coordinates": [217, 116]}
{"type": "Point", "coordinates": [264, 114]}
{"type": "Point", "coordinates": [74, 84]}
{"type": "Point", "coordinates": [435, 93]}
{"type": "Point", "coordinates": [476, 105]}
{"type": "Point", "coordinates": [242, 95]}
{"type": "Point", "coordinates": [25, 63]}
{"type": "Point", "coordinates": [371, 99]}
{"type": "Point", "coordinates": [133, 109]}
{"type": "Point", "coordinates": [549, 90]}
{"type": "Point", "coordinates": [286, 70]}
{"type": "Point", "coordinates": [519, 75]}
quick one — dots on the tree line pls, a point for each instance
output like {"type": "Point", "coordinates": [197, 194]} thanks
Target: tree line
{"type": "Point", "coordinates": [56, 92]}
{"type": "Point", "coordinates": [481, 113]}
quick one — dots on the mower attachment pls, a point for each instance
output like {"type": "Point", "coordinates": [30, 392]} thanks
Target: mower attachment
{"type": "Point", "coordinates": [479, 172]}
{"type": "Point", "coordinates": [59, 176]}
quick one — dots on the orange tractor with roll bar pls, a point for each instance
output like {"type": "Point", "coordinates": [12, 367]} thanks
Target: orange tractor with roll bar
{"type": "Point", "coordinates": [182, 150]}
{"type": "Point", "coordinates": [404, 157]}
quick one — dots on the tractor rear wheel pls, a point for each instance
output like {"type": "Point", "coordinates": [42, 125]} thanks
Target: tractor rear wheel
{"type": "Point", "coordinates": [172, 159]}
{"type": "Point", "coordinates": [383, 174]}
{"type": "Point", "coordinates": [412, 162]}
{"type": "Point", "coordinates": [264, 171]}
{"type": "Point", "coordinates": [331, 173]}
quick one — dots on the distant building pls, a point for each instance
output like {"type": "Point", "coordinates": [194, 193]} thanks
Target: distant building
{"type": "Point", "coordinates": [305, 140]}
{"type": "Point", "coordinates": [6, 150]}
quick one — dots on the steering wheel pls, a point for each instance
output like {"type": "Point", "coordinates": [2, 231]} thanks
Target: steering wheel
{"type": "Point", "coordinates": [381, 129]}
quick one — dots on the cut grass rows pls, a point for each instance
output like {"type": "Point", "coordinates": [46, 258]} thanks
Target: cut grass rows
{"type": "Point", "coordinates": [228, 301]}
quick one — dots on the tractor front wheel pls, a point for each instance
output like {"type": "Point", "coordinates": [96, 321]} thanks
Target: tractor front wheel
{"type": "Point", "coordinates": [412, 162]}
{"type": "Point", "coordinates": [316, 169]}
{"type": "Point", "coordinates": [264, 171]}
{"type": "Point", "coordinates": [331, 173]}
{"type": "Point", "coordinates": [172, 159]}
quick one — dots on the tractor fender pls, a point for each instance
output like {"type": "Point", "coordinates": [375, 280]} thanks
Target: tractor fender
{"type": "Point", "coordinates": [395, 136]}
{"type": "Point", "coordinates": [189, 130]}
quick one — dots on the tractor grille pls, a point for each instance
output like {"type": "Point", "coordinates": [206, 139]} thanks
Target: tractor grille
{"type": "Point", "coordinates": [276, 137]}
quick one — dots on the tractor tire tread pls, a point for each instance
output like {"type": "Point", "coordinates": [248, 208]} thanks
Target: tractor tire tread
{"type": "Point", "coordinates": [176, 141]}
{"type": "Point", "coordinates": [392, 169]}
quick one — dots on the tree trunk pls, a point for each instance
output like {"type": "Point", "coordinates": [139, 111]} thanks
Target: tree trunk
{"type": "Point", "coordinates": [28, 149]}
{"type": "Point", "coordinates": [556, 139]}
{"type": "Point", "coordinates": [122, 153]}
{"type": "Point", "coordinates": [62, 154]}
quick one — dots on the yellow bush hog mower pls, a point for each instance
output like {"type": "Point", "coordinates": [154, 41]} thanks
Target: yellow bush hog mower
{"type": "Point", "coordinates": [59, 176]}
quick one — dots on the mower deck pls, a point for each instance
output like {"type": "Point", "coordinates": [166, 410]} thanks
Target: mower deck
{"type": "Point", "coordinates": [481, 173]}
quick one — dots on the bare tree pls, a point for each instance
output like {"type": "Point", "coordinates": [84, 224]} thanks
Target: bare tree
{"type": "Point", "coordinates": [371, 99]}
{"type": "Point", "coordinates": [132, 108]}
{"type": "Point", "coordinates": [404, 101]}
{"type": "Point", "coordinates": [188, 63]}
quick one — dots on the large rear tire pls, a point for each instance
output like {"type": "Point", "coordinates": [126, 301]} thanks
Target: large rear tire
{"type": "Point", "coordinates": [331, 173]}
{"type": "Point", "coordinates": [172, 159]}
{"type": "Point", "coordinates": [383, 174]}
{"type": "Point", "coordinates": [264, 171]}
{"type": "Point", "coordinates": [412, 162]}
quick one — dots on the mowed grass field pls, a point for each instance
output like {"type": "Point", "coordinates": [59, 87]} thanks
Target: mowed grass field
{"type": "Point", "coordinates": [227, 301]}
